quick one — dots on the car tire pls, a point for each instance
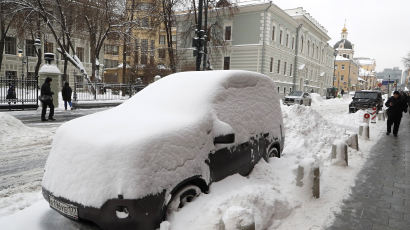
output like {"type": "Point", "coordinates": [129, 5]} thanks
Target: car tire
{"type": "Point", "coordinates": [182, 197]}
{"type": "Point", "coordinates": [273, 152]}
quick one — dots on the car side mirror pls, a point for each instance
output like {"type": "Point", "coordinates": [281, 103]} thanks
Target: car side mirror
{"type": "Point", "coordinates": [225, 139]}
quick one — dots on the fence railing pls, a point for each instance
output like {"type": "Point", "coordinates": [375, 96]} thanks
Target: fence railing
{"type": "Point", "coordinates": [18, 93]}
{"type": "Point", "coordinates": [104, 92]}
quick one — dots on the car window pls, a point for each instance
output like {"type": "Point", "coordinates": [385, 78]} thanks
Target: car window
{"type": "Point", "coordinates": [365, 95]}
{"type": "Point", "coordinates": [296, 93]}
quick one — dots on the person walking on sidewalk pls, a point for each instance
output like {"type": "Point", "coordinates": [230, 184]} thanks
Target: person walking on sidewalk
{"type": "Point", "coordinates": [342, 92]}
{"type": "Point", "coordinates": [66, 93]}
{"type": "Point", "coordinates": [46, 98]}
{"type": "Point", "coordinates": [396, 107]}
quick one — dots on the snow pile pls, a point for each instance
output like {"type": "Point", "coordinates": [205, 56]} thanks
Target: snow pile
{"type": "Point", "coordinates": [163, 135]}
{"type": "Point", "coordinates": [14, 132]}
{"type": "Point", "coordinates": [316, 98]}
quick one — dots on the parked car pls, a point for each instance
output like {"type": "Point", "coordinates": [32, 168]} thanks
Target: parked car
{"type": "Point", "coordinates": [331, 93]}
{"type": "Point", "coordinates": [131, 166]}
{"type": "Point", "coordinates": [366, 99]}
{"type": "Point", "coordinates": [298, 97]}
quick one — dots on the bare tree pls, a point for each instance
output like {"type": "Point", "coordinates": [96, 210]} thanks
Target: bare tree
{"type": "Point", "coordinates": [9, 12]}
{"type": "Point", "coordinates": [218, 10]}
{"type": "Point", "coordinates": [406, 61]}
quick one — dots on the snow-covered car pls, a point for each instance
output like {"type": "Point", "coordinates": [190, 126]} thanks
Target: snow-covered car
{"type": "Point", "coordinates": [130, 166]}
{"type": "Point", "coordinates": [298, 97]}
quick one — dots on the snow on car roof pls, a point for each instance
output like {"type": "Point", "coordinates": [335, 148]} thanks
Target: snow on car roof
{"type": "Point", "coordinates": [157, 138]}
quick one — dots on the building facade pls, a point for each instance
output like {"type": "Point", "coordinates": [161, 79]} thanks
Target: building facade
{"type": "Point", "coordinates": [289, 46]}
{"type": "Point", "coordinates": [346, 69]}
{"type": "Point", "coordinates": [14, 66]}
{"type": "Point", "coordinates": [145, 47]}
{"type": "Point", "coordinates": [395, 74]}
{"type": "Point", "coordinates": [367, 72]}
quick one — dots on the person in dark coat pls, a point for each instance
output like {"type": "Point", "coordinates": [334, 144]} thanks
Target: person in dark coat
{"type": "Point", "coordinates": [342, 92]}
{"type": "Point", "coordinates": [396, 107]}
{"type": "Point", "coordinates": [66, 93]}
{"type": "Point", "coordinates": [11, 94]}
{"type": "Point", "coordinates": [46, 97]}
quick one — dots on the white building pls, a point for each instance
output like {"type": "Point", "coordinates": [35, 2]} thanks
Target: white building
{"type": "Point", "coordinates": [289, 46]}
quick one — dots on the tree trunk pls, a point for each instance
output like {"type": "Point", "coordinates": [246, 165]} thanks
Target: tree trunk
{"type": "Point", "coordinates": [92, 55]}
{"type": "Point", "coordinates": [124, 60]}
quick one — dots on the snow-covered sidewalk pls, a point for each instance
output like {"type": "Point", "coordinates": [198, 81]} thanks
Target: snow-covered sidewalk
{"type": "Point", "coordinates": [269, 196]}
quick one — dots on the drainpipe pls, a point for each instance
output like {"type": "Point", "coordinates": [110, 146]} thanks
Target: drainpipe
{"type": "Point", "coordinates": [263, 39]}
{"type": "Point", "coordinates": [295, 66]}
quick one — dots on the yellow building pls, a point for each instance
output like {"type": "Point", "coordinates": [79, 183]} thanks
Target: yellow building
{"type": "Point", "coordinates": [144, 48]}
{"type": "Point", "coordinates": [346, 72]}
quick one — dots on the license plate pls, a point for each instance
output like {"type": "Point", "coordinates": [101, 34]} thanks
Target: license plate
{"type": "Point", "coordinates": [64, 208]}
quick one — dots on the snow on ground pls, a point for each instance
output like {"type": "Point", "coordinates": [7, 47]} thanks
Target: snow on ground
{"type": "Point", "coordinates": [23, 151]}
{"type": "Point", "coordinates": [272, 196]}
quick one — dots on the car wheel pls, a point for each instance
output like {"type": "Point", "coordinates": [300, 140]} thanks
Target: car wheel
{"type": "Point", "coordinates": [273, 152]}
{"type": "Point", "coordinates": [182, 197]}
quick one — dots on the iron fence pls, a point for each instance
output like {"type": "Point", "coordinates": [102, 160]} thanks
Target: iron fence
{"type": "Point", "coordinates": [104, 92]}
{"type": "Point", "coordinates": [18, 93]}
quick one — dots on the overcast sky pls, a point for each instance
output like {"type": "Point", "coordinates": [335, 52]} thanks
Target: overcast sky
{"type": "Point", "coordinates": [379, 29]}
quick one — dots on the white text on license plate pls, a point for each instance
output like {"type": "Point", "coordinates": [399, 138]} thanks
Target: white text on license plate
{"type": "Point", "coordinates": [67, 209]}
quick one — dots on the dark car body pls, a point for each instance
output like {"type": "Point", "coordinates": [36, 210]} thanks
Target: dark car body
{"type": "Point", "coordinates": [226, 154]}
{"type": "Point", "coordinates": [331, 93]}
{"type": "Point", "coordinates": [366, 100]}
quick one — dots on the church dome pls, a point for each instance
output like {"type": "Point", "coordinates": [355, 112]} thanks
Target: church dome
{"type": "Point", "coordinates": [346, 44]}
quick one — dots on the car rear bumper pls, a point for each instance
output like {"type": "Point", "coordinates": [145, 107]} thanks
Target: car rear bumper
{"type": "Point", "coordinates": [144, 213]}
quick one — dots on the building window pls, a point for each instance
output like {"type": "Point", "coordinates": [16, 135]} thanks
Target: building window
{"type": "Point", "coordinates": [291, 70]}
{"type": "Point", "coordinates": [30, 48]}
{"type": "Point", "coordinates": [273, 33]}
{"type": "Point", "coordinates": [174, 39]}
{"type": "Point", "coordinates": [161, 53]}
{"type": "Point", "coordinates": [342, 77]}
{"type": "Point", "coordinates": [79, 51]}
{"type": "Point", "coordinates": [343, 66]}
{"type": "Point", "coordinates": [344, 55]}
{"type": "Point", "coordinates": [278, 89]}
{"type": "Point", "coordinates": [144, 45]}
{"type": "Point", "coordinates": [48, 47]}
{"type": "Point", "coordinates": [293, 42]}
{"type": "Point", "coordinates": [144, 58]}
{"type": "Point", "coordinates": [301, 45]}
{"type": "Point", "coordinates": [280, 37]}
{"type": "Point", "coordinates": [10, 45]}
{"type": "Point", "coordinates": [287, 40]}
{"type": "Point", "coordinates": [162, 39]}
{"type": "Point", "coordinates": [108, 63]}
{"type": "Point", "coordinates": [145, 22]}
{"type": "Point", "coordinates": [284, 90]}
{"type": "Point", "coordinates": [227, 63]}
{"type": "Point", "coordinates": [11, 74]}
{"type": "Point", "coordinates": [308, 48]}
{"type": "Point", "coordinates": [228, 30]}
{"type": "Point", "coordinates": [111, 49]}
{"type": "Point", "coordinates": [284, 68]}
{"type": "Point", "coordinates": [271, 65]}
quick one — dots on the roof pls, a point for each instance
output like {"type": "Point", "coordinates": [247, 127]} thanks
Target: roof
{"type": "Point", "coordinates": [346, 44]}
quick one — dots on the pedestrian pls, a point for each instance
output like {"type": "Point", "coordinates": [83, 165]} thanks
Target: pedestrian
{"type": "Point", "coordinates": [396, 107]}
{"type": "Point", "coordinates": [46, 98]}
{"type": "Point", "coordinates": [342, 92]}
{"type": "Point", "coordinates": [66, 93]}
{"type": "Point", "coordinates": [11, 94]}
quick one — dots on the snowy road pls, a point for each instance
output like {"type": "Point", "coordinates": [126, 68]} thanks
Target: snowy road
{"type": "Point", "coordinates": [23, 156]}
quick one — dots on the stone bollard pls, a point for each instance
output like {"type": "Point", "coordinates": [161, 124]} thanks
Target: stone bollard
{"type": "Point", "coordinates": [340, 154]}
{"type": "Point", "coordinates": [316, 183]}
{"type": "Point", "coordinates": [299, 176]}
{"type": "Point", "coordinates": [364, 131]}
{"type": "Point", "coordinates": [353, 141]}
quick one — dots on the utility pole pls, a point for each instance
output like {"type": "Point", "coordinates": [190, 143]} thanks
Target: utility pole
{"type": "Point", "coordinates": [198, 41]}
{"type": "Point", "coordinates": [205, 62]}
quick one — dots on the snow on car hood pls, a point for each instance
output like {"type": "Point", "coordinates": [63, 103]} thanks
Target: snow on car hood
{"type": "Point", "coordinates": [150, 143]}
{"type": "Point", "coordinates": [294, 97]}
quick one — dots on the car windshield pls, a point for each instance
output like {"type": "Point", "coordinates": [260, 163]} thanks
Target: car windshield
{"type": "Point", "coordinates": [366, 95]}
{"type": "Point", "coordinates": [296, 93]}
